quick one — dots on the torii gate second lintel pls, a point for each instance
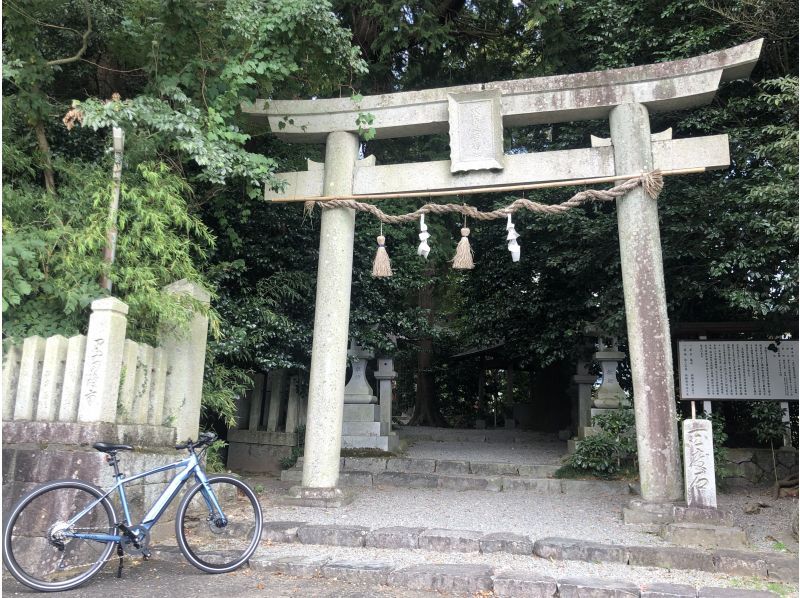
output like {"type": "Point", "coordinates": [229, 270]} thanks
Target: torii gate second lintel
{"type": "Point", "coordinates": [475, 115]}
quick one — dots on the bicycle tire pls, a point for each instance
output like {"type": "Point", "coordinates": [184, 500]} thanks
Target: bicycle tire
{"type": "Point", "coordinates": [204, 540]}
{"type": "Point", "coordinates": [31, 554]}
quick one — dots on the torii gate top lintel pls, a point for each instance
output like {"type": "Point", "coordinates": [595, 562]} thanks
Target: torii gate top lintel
{"type": "Point", "coordinates": [664, 86]}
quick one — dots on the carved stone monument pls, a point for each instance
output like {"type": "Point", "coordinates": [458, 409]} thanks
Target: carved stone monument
{"type": "Point", "coordinates": [698, 464]}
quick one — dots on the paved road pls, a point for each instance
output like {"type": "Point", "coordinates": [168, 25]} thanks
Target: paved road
{"type": "Point", "coordinates": [160, 579]}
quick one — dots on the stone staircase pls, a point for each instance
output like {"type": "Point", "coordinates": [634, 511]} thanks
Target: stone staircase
{"type": "Point", "coordinates": [458, 475]}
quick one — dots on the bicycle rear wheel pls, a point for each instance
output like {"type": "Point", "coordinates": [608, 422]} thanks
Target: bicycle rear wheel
{"type": "Point", "coordinates": [37, 549]}
{"type": "Point", "coordinates": [219, 542]}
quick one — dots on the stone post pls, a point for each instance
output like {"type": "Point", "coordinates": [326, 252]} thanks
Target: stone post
{"type": "Point", "coordinates": [11, 365]}
{"type": "Point", "coordinates": [55, 355]}
{"type": "Point", "coordinates": [256, 400]}
{"type": "Point", "coordinates": [185, 352]}
{"type": "Point", "coordinates": [331, 321]}
{"type": "Point", "coordinates": [30, 375]}
{"type": "Point", "coordinates": [698, 464]}
{"type": "Point", "coordinates": [293, 404]}
{"type": "Point", "coordinates": [102, 364]}
{"type": "Point", "coordinates": [384, 375]}
{"type": "Point", "coordinates": [584, 382]}
{"type": "Point", "coordinates": [73, 368]}
{"type": "Point", "coordinates": [646, 312]}
{"type": "Point", "coordinates": [277, 380]}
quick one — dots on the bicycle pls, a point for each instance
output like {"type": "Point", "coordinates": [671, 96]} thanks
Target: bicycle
{"type": "Point", "coordinates": [61, 534]}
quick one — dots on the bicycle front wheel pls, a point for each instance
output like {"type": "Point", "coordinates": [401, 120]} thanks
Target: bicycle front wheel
{"type": "Point", "coordinates": [213, 541]}
{"type": "Point", "coordinates": [38, 547]}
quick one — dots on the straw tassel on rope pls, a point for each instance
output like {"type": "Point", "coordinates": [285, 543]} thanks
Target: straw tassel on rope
{"type": "Point", "coordinates": [463, 258]}
{"type": "Point", "coordinates": [381, 266]}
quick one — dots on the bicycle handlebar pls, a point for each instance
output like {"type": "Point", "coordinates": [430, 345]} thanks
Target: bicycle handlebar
{"type": "Point", "coordinates": [205, 439]}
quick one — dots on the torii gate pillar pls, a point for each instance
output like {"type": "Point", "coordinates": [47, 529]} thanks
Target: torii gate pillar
{"type": "Point", "coordinates": [646, 312]}
{"type": "Point", "coordinates": [331, 321]}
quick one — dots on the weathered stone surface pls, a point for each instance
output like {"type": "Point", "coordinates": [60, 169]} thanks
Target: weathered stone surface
{"type": "Point", "coordinates": [642, 512]}
{"type": "Point", "coordinates": [464, 579]}
{"type": "Point", "coordinates": [478, 468]}
{"type": "Point", "coordinates": [370, 464]}
{"type": "Point", "coordinates": [506, 542]}
{"type": "Point", "coordinates": [333, 535]}
{"type": "Point", "coordinates": [452, 482]}
{"type": "Point", "coordinates": [523, 584]}
{"type": "Point", "coordinates": [297, 566]}
{"type": "Point", "coordinates": [394, 537]}
{"type": "Point", "coordinates": [668, 590]}
{"type": "Point", "coordinates": [544, 485]}
{"type": "Point", "coordinates": [698, 464]}
{"type": "Point", "coordinates": [411, 465]}
{"type": "Point", "coordinates": [694, 515]}
{"type": "Point", "coordinates": [407, 480]}
{"type": "Point", "coordinates": [594, 487]}
{"type": "Point", "coordinates": [662, 86]}
{"type": "Point", "coordinates": [281, 531]}
{"type": "Point", "coordinates": [450, 540]}
{"type": "Point", "coordinates": [700, 534]}
{"type": "Point", "coordinates": [646, 311]}
{"type": "Point", "coordinates": [452, 467]}
{"type": "Point", "coordinates": [595, 587]}
{"type": "Point", "coordinates": [331, 319]}
{"type": "Point", "coordinates": [85, 434]}
{"type": "Point", "coordinates": [358, 572]}
{"type": "Point", "coordinates": [355, 478]}
{"type": "Point", "coordinates": [782, 567]}
{"type": "Point", "coordinates": [733, 593]}
{"type": "Point", "coordinates": [580, 550]}
{"type": "Point", "coordinates": [302, 496]}
{"type": "Point", "coordinates": [739, 562]}
{"type": "Point", "coordinates": [537, 471]}
{"type": "Point", "coordinates": [670, 557]}
{"type": "Point", "coordinates": [476, 130]}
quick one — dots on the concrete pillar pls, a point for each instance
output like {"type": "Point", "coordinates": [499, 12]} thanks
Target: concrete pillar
{"type": "Point", "coordinates": [102, 362]}
{"type": "Point", "coordinates": [331, 319]}
{"type": "Point", "coordinates": [185, 351]}
{"type": "Point", "coordinates": [55, 356]}
{"type": "Point", "coordinates": [646, 312]}
{"type": "Point", "coordinates": [71, 391]}
{"type": "Point", "coordinates": [30, 374]}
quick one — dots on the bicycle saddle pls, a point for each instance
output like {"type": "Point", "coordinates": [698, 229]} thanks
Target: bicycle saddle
{"type": "Point", "coordinates": [106, 447]}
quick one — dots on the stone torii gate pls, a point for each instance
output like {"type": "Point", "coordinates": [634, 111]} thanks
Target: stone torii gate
{"type": "Point", "coordinates": [474, 116]}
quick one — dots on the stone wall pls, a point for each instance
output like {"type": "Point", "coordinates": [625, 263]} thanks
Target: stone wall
{"type": "Point", "coordinates": [268, 416]}
{"type": "Point", "coordinates": [62, 395]}
{"type": "Point", "coordinates": [747, 466]}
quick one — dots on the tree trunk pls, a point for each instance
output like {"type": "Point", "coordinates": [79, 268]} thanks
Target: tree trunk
{"type": "Point", "coordinates": [426, 411]}
{"type": "Point", "coordinates": [47, 164]}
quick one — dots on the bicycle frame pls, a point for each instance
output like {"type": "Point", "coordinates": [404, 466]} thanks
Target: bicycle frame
{"type": "Point", "coordinates": [192, 465]}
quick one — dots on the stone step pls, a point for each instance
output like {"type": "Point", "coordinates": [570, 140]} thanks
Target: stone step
{"type": "Point", "coordinates": [470, 482]}
{"type": "Point", "coordinates": [470, 579]}
{"type": "Point", "coordinates": [442, 466]}
{"type": "Point", "coordinates": [772, 566]}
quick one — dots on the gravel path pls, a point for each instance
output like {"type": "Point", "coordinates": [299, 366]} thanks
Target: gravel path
{"type": "Point", "coordinates": [597, 517]}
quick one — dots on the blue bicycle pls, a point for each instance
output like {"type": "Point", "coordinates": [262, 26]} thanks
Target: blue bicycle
{"type": "Point", "coordinates": [62, 533]}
